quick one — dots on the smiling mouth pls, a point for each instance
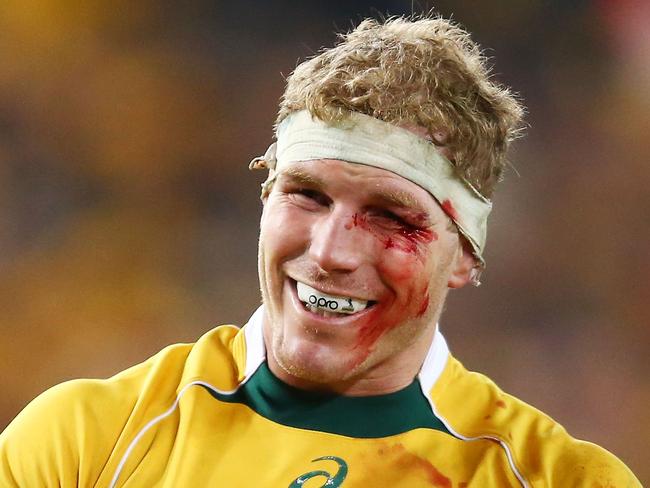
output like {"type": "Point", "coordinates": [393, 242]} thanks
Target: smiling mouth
{"type": "Point", "coordinates": [327, 305]}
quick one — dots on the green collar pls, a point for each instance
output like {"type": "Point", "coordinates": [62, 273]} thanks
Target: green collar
{"type": "Point", "coordinates": [362, 417]}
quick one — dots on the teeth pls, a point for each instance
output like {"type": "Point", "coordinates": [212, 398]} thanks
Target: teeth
{"type": "Point", "coordinates": [328, 304]}
{"type": "Point", "coordinates": [321, 312]}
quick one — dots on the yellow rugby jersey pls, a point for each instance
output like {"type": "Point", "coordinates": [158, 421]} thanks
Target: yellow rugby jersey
{"type": "Point", "coordinates": [212, 414]}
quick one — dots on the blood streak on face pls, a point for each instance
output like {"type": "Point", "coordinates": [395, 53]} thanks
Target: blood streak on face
{"type": "Point", "coordinates": [377, 324]}
{"type": "Point", "coordinates": [407, 239]}
{"type": "Point", "coordinates": [424, 306]}
{"type": "Point", "coordinates": [449, 209]}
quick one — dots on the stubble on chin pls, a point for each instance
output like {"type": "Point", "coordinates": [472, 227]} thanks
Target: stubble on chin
{"type": "Point", "coordinates": [311, 369]}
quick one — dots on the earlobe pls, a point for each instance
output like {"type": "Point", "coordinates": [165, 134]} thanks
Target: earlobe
{"type": "Point", "coordinates": [461, 274]}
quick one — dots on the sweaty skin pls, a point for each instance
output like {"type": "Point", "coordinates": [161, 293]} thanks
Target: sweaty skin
{"type": "Point", "coordinates": [362, 232]}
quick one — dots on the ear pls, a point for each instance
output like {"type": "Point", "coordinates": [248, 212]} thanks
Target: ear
{"type": "Point", "coordinates": [461, 272]}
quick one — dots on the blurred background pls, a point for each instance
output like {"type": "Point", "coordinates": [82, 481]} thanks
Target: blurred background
{"type": "Point", "coordinates": [129, 219]}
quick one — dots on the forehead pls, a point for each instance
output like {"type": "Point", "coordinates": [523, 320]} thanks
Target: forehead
{"type": "Point", "coordinates": [361, 180]}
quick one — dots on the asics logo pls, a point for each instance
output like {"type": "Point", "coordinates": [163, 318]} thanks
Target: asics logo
{"type": "Point", "coordinates": [331, 480]}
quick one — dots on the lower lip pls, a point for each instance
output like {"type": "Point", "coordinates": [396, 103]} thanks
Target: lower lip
{"type": "Point", "coordinates": [340, 321]}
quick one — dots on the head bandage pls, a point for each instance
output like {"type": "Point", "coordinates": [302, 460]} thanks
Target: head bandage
{"type": "Point", "coordinates": [366, 140]}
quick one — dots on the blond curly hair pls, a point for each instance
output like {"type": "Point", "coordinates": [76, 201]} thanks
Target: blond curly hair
{"type": "Point", "coordinates": [425, 71]}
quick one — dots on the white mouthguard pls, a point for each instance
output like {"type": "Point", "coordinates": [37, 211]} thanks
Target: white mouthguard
{"type": "Point", "coordinates": [330, 303]}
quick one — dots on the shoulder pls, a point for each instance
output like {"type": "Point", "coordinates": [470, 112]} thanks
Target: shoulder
{"type": "Point", "coordinates": [69, 431]}
{"type": "Point", "coordinates": [541, 449]}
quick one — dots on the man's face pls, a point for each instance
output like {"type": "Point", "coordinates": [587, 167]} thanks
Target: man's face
{"type": "Point", "coordinates": [359, 232]}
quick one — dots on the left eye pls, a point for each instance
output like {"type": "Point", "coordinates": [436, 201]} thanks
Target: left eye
{"type": "Point", "coordinates": [393, 219]}
{"type": "Point", "coordinates": [391, 216]}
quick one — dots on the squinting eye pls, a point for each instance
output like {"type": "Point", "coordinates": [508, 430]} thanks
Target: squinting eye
{"type": "Point", "coordinates": [393, 217]}
{"type": "Point", "coordinates": [308, 193]}
{"type": "Point", "coordinates": [395, 220]}
{"type": "Point", "coordinates": [312, 195]}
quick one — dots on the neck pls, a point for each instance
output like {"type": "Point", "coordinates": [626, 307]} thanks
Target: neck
{"type": "Point", "coordinates": [394, 373]}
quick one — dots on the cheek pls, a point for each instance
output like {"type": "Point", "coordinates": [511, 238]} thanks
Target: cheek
{"type": "Point", "coordinates": [282, 231]}
{"type": "Point", "coordinates": [399, 269]}
{"type": "Point", "coordinates": [408, 278]}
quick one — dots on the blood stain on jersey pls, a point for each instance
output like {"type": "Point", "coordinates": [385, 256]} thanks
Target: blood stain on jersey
{"type": "Point", "coordinates": [408, 460]}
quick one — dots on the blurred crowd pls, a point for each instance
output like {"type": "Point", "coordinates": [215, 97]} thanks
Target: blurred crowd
{"type": "Point", "coordinates": [128, 216]}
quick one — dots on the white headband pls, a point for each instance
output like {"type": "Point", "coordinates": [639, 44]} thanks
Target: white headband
{"type": "Point", "coordinates": [366, 140]}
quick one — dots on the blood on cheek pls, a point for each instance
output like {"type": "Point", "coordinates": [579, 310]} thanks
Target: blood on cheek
{"type": "Point", "coordinates": [390, 312]}
{"type": "Point", "coordinates": [386, 317]}
{"type": "Point", "coordinates": [403, 237]}
{"type": "Point", "coordinates": [424, 305]}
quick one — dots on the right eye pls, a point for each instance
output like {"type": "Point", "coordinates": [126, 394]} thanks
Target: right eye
{"type": "Point", "coordinates": [309, 197]}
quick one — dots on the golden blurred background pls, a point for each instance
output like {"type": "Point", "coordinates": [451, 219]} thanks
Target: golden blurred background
{"type": "Point", "coordinates": [128, 217]}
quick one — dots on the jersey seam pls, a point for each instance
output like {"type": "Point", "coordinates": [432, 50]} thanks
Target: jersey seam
{"type": "Point", "coordinates": [502, 443]}
{"type": "Point", "coordinates": [505, 446]}
{"type": "Point", "coordinates": [161, 417]}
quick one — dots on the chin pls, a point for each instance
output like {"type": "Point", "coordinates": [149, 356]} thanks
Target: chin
{"type": "Point", "coordinates": [316, 363]}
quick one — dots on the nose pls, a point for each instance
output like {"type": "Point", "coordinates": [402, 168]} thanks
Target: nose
{"type": "Point", "coordinates": [335, 244]}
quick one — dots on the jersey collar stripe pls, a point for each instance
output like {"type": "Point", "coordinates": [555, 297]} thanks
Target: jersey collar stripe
{"type": "Point", "coordinates": [434, 362]}
{"type": "Point", "coordinates": [255, 350]}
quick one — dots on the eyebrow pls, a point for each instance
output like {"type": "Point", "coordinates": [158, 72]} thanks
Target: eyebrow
{"type": "Point", "coordinates": [388, 197]}
{"type": "Point", "coordinates": [301, 177]}
{"type": "Point", "coordinates": [397, 198]}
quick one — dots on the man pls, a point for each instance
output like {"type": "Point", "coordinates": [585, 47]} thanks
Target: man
{"type": "Point", "coordinates": [389, 146]}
